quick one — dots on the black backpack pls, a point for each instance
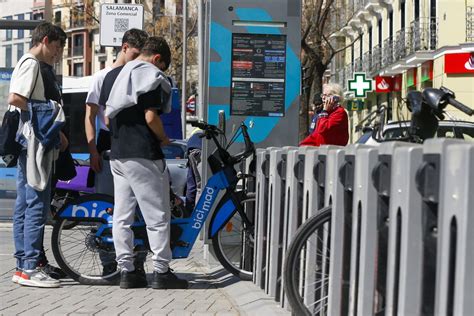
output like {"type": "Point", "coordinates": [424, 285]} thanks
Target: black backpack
{"type": "Point", "coordinates": [9, 148]}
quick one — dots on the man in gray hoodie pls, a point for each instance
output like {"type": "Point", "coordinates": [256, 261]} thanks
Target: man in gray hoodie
{"type": "Point", "coordinates": [139, 95]}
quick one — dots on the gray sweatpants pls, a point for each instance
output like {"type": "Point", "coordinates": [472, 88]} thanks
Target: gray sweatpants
{"type": "Point", "coordinates": [146, 182]}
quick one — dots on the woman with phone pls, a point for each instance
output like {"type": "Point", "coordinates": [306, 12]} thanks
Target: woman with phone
{"type": "Point", "coordinates": [332, 126]}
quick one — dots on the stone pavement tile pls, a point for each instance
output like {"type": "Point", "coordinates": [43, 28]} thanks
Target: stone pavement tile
{"type": "Point", "coordinates": [200, 306]}
{"type": "Point", "coordinates": [41, 309]}
{"type": "Point", "coordinates": [221, 305]}
{"type": "Point", "coordinates": [227, 313]}
{"type": "Point", "coordinates": [179, 312]}
{"type": "Point", "coordinates": [203, 313]}
{"type": "Point", "coordinates": [110, 310]}
{"type": "Point", "coordinates": [158, 312]}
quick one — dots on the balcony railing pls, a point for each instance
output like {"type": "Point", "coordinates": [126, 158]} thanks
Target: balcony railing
{"type": "Point", "coordinates": [376, 58]}
{"type": "Point", "coordinates": [400, 44]}
{"type": "Point", "coordinates": [423, 35]}
{"type": "Point", "coordinates": [469, 24]}
{"type": "Point", "coordinates": [367, 62]}
{"type": "Point", "coordinates": [358, 65]}
{"type": "Point", "coordinates": [387, 56]}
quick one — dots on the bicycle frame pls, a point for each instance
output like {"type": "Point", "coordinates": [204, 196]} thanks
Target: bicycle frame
{"type": "Point", "coordinates": [96, 211]}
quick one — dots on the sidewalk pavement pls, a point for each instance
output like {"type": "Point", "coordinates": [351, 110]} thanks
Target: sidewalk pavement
{"type": "Point", "coordinates": [212, 291]}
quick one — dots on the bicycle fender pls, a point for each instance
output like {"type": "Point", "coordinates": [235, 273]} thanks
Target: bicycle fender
{"type": "Point", "coordinates": [222, 214]}
{"type": "Point", "coordinates": [94, 207]}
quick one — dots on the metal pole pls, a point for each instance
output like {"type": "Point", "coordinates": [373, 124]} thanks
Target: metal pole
{"type": "Point", "coordinates": [183, 80]}
{"type": "Point", "coordinates": [48, 10]}
{"type": "Point", "coordinates": [198, 107]}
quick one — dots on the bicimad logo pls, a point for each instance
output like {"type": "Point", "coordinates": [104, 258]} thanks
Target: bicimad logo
{"type": "Point", "coordinates": [469, 65]}
{"type": "Point", "coordinates": [383, 85]}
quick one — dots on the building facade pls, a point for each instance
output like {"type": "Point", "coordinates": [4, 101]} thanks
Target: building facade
{"type": "Point", "coordinates": [14, 43]}
{"type": "Point", "coordinates": [405, 45]}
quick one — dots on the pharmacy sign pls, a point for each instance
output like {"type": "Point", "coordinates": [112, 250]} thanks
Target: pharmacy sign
{"type": "Point", "coordinates": [360, 85]}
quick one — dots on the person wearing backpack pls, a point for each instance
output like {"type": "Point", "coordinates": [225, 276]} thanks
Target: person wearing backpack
{"type": "Point", "coordinates": [32, 203]}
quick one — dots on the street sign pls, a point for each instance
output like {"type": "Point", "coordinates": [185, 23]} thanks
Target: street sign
{"type": "Point", "coordinates": [116, 19]}
{"type": "Point", "coordinates": [360, 85]}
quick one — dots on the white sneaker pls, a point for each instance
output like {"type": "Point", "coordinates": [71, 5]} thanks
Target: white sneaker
{"type": "Point", "coordinates": [16, 276]}
{"type": "Point", "coordinates": [37, 278]}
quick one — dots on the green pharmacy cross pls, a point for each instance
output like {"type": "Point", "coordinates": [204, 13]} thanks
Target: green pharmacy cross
{"type": "Point", "coordinates": [360, 85]}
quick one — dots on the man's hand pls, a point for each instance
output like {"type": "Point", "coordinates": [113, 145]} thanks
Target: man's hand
{"type": "Point", "coordinates": [96, 162]}
{"type": "Point", "coordinates": [165, 142]}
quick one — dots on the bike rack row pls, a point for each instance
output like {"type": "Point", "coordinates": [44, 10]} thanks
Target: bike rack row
{"type": "Point", "coordinates": [401, 234]}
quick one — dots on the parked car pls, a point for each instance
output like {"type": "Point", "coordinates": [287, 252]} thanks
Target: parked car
{"type": "Point", "coordinates": [447, 128]}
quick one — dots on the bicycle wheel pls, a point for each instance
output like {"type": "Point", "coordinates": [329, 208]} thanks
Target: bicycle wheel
{"type": "Point", "coordinates": [234, 243]}
{"type": "Point", "coordinates": [306, 268]}
{"type": "Point", "coordinates": [80, 253]}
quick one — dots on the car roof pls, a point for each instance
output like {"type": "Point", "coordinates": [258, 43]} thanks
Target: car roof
{"type": "Point", "coordinates": [449, 123]}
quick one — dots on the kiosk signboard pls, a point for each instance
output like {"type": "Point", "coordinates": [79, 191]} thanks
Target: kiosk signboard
{"type": "Point", "coordinates": [258, 75]}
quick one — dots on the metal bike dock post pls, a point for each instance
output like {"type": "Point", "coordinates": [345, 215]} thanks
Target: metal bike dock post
{"type": "Point", "coordinates": [359, 161]}
{"type": "Point", "coordinates": [276, 202]}
{"type": "Point", "coordinates": [454, 275]}
{"type": "Point", "coordinates": [404, 273]}
{"type": "Point", "coordinates": [261, 198]}
{"type": "Point", "coordinates": [430, 183]}
{"type": "Point", "coordinates": [293, 207]}
{"type": "Point", "coordinates": [334, 197]}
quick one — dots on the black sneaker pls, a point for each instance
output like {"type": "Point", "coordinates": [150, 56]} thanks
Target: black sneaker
{"type": "Point", "coordinates": [132, 280]}
{"type": "Point", "coordinates": [168, 280]}
{"type": "Point", "coordinates": [54, 272]}
{"type": "Point", "coordinates": [109, 268]}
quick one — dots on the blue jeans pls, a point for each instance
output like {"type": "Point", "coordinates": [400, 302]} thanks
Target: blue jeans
{"type": "Point", "coordinates": [29, 218]}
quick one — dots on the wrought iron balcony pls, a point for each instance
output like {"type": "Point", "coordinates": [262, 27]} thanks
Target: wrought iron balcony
{"type": "Point", "coordinates": [400, 46]}
{"type": "Point", "coordinates": [358, 64]}
{"type": "Point", "coordinates": [376, 58]}
{"type": "Point", "coordinates": [423, 35]}
{"type": "Point", "coordinates": [470, 24]}
{"type": "Point", "coordinates": [367, 62]}
{"type": "Point", "coordinates": [387, 56]}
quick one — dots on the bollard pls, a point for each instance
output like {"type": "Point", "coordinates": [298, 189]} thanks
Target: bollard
{"type": "Point", "coordinates": [454, 275]}
{"type": "Point", "coordinates": [262, 198]}
{"type": "Point", "coordinates": [363, 235]}
{"type": "Point", "coordinates": [334, 197]}
{"type": "Point", "coordinates": [276, 199]}
{"type": "Point", "coordinates": [430, 183]}
{"type": "Point", "coordinates": [293, 207]}
{"type": "Point", "coordinates": [404, 276]}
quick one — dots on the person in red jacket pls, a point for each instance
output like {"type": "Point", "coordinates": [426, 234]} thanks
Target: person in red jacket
{"type": "Point", "coordinates": [333, 124]}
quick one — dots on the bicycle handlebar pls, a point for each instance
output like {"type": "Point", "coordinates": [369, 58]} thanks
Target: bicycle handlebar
{"type": "Point", "coordinates": [211, 131]}
{"type": "Point", "coordinates": [458, 105]}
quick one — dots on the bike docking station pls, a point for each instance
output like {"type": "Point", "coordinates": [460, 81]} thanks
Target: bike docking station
{"type": "Point", "coordinates": [395, 236]}
{"type": "Point", "coordinates": [252, 74]}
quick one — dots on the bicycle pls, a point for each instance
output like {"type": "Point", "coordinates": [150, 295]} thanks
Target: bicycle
{"type": "Point", "coordinates": [306, 274]}
{"type": "Point", "coordinates": [80, 250]}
